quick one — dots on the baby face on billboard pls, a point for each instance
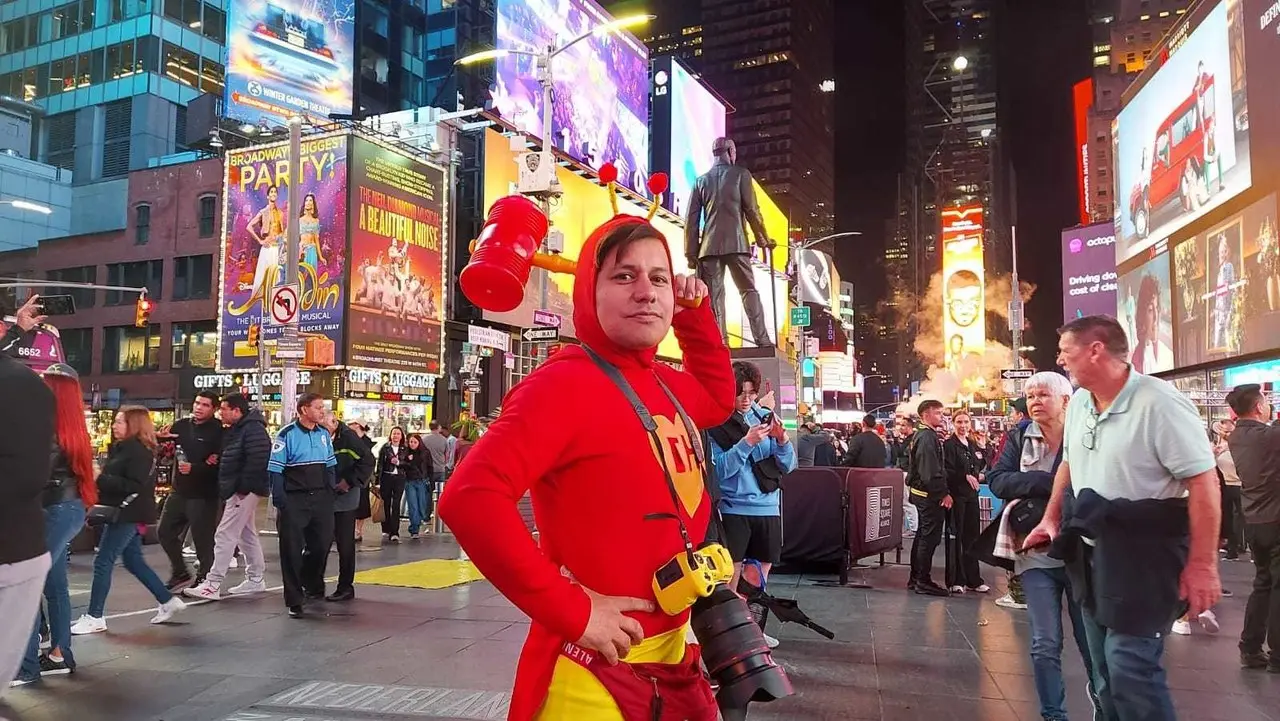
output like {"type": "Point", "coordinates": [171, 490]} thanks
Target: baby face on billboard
{"type": "Point", "coordinates": [964, 297]}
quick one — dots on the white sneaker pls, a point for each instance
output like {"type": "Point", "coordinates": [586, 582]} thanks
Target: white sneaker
{"type": "Point", "coordinates": [248, 587]}
{"type": "Point", "coordinates": [958, 590]}
{"type": "Point", "coordinates": [205, 591]}
{"type": "Point", "coordinates": [770, 641]}
{"type": "Point", "coordinates": [1181, 627]}
{"type": "Point", "coordinates": [235, 562]}
{"type": "Point", "coordinates": [88, 624]}
{"type": "Point", "coordinates": [167, 609]}
{"type": "Point", "coordinates": [1006, 601]}
{"type": "Point", "coordinates": [984, 588]}
{"type": "Point", "coordinates": [189, 551]}
{"type": "Point", "coordinates": [1209, 622]}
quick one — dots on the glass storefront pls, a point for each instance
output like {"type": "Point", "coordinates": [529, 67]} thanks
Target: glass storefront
{"type": "Point", "coordinates": [1208, 389]}
{"type": "Point", "coordinates": [382, 416]}
{"type": "Point", "coordinates": [383, 400]}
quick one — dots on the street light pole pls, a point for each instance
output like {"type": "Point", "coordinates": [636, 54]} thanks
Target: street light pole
{"type": "Point", "coordinates": [289, 333]}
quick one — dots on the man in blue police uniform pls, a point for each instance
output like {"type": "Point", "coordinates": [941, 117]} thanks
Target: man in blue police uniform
{"type": "Point", "coordinates": [302, 488]}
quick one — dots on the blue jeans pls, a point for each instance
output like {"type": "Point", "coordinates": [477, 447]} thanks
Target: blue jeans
{"type": "Point", "coordinates": [1127, 674]}
{"type": "Point", "coordinates": [1044, 589]}
{"type": "Point", "coordinates": [62, 523]}
{"type": "Point", "coordinates": [121, 541]}
{"type": "Point", "coordinates": [416, 494]}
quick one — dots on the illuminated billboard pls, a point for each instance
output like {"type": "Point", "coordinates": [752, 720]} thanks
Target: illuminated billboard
{"type": "Point", "coordinates": [585, 206]}
{"type": "Point", "coordinates": [255, 221]}
{"type": "Point", "coordinates": [289, 57]}
{"type": "Point", "coordinates": [1088, 271]}
{"type": "Point", "coordinates": [1082, 104]}
{"type": "Point", "coordinates": [687, 119]}
{"type": "Point", "coordinates": [815, 278]}
{"type": "Point", "coordinates": [963, 295]}
{"type": "Point", "coordinates": [397, 261]}
{"type": "Point", "coordinates": [600, 113]}
{"type": "Point", "coordinates": [1227, 287]}
{"type": "Point", "coordinates": [1181, 143]}
{"type": "Point", "coordinates": [1144, 309]}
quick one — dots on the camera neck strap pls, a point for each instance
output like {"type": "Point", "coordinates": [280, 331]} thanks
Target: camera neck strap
{"type": "Point", "coordinates": [651, 426]}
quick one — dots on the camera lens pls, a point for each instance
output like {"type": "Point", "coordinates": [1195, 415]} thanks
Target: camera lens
{"type": "Point", "coordinates": [735, 652]}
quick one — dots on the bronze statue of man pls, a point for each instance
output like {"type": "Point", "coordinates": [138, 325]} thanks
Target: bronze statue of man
{"type": "Point", "coordinates": [725, 199]}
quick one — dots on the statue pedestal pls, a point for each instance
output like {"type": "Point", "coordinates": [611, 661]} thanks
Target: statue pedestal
{"type": "Point", "coordinates": [777, 372]}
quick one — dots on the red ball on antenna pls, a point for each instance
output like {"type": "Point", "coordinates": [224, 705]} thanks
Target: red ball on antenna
{"type": "Point", "coordinates": [658, 183]}
{"type": "Point", "coordinates": [609, 173]}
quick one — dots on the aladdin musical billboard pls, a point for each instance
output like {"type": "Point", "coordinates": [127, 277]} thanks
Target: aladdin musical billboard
{"type": "Point", "coordinates": [1088, 271]}
{"type": "Point", "coordinates": [255, 223]}
{"type": "Point", "coordinates": [601, 84]}
{"type": "Point", "coordinates": [1182, 141]}
{"type": "Point", "coordinates": [397, 261]}
{"type": "Point", "coordinates": [289, 57]}
{"type": "Point", "coordinates": [963, 295]}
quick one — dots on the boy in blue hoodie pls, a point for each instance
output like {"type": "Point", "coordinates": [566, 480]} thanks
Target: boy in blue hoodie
{"type": "Point", "coordinates": [751, 453]}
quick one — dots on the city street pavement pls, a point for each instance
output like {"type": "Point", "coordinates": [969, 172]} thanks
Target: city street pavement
{"type": "Point", "coordinates": [406, 653]}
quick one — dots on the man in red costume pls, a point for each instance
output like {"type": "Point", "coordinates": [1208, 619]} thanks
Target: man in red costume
{"type": "Point", "coordinates": [587, 585]}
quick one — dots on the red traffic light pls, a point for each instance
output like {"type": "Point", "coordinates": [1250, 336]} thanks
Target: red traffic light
{"type": "Point", "coordinates": [142, 313]}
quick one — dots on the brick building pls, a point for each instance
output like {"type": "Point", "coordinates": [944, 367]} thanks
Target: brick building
{"type": "Point", "coordinates": [170, 245]}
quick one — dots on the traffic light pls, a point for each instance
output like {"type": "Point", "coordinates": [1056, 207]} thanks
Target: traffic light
{"type": "Point", "coordinates": [253, 335]}
{"type": "Point", "coordinates": [142, 313]}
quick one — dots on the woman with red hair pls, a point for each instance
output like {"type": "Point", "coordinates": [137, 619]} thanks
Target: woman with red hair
{"type": "Point", "coordinates": [69, 492]}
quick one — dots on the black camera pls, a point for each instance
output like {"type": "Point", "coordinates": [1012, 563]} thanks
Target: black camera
{"type": "Point", "coordinates": [735, 653]}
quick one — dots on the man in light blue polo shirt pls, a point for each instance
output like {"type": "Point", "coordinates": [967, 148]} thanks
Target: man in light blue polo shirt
{"type": "Point", "coordinates": [1140, 447]}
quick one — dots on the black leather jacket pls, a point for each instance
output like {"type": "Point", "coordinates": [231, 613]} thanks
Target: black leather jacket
{"type": "Point", "coordinates": [63, 484]}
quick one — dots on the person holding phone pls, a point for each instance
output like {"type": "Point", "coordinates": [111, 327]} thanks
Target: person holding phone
{"type": "Point", "coordinates": [751, 453]}
{"type": "Point", "coordinates": [193, 504]}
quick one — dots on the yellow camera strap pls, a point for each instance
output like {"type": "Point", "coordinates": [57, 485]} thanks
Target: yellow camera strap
{"type": "Point", "coordinates": [651, 426]}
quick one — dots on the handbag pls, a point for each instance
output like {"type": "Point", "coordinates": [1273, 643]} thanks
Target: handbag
{"type": "Point", "coordinates": [1026, 514]}
{"type": "Point", "coordinates": [100, 515]}
{"type": "Point", "coordinates": [377, 511]}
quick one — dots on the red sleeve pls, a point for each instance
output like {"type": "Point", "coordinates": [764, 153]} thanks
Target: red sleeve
{"type": "Point", "coordinates": [706, 388]}
{"type": "Point", "coordinates": [479, 503]}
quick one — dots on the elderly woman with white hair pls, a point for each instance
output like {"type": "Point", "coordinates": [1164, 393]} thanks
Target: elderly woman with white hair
{"type": "Point", "coordinates": [1023, 477]}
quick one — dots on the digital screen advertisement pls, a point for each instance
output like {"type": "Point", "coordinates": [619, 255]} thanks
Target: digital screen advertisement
{"type": "Point", "coordinates": [600, 112]}
{"type": "Point", "coordinates": [814, 282]}
{"type": "Point", "coordinates": [255, 225]}
{"type": "Point", "coordinates": [697, 119]}
{"type": "Point", "coordinates": [397, 241]}
{"type": "Point", "coordinates": [1088, 271]}
{"type": "Point", "coordinates": [289, 57]}
{"type": "Point", "coordinates": [1227, 287]}
{"type": "Point", "coordinates": [1181, 143]}
{"type": "Point", "coordinates": [1144, 309]}
{"type": "Point", "coordinates": [585, 206]}
{"type": "Point", "coordinates": [963, 293]}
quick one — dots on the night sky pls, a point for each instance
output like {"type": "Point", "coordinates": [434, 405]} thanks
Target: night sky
{"type": "Point", "coordinates": [1043, 48]}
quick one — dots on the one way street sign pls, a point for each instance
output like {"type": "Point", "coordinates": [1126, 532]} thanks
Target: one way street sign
{"type": "Point", "coordinates": [1016, 374]}
{"type": "Point", "coordinates": [541, 335]}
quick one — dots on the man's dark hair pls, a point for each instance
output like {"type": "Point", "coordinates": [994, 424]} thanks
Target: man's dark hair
{"type": "Point", "coordinates": [307, 399]}
{"type": "Point", "coordinates": [237, 401]}
{"type": "Point", "coordinates": [928, 405]}
{"type": "Point", "coordinates": [434, 425]}
{"type": "Point", "coordinates": [1244, 399]}
{"type": "Point", "coordinates": [622, 237]}
{"type": "Point", "coordinates": [210, 396]}
{"type": "Point", "coordinates": [869, 422]}
{"type": "Point", "coordinates": [1100, 329]}
{"type": "Point", "coordinates": [744, 372]}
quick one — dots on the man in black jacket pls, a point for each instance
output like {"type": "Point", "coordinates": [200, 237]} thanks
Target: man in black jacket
{"type": "Point", "coordinates": [1255, 446]}
{"type": "Point", "coordinates": [25, 437]}
{"type": "Point", "coordinates": [927, 486]}
{"type": "Point", "coordinates": [355, 466]}
{"type": "Point", "coordinates": [242, 484]}
{"type": "Point", "coordinates": [867, 449]}
{"type": "Point", "coordinates": [193, 501]}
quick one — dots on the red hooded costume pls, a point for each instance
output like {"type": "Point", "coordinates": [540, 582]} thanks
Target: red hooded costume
{"type": "Point", "coordinates": [569, 436]}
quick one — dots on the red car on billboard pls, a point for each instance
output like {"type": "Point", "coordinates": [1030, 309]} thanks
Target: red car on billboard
{"type": "Point", "coordinates": [1177, 167]}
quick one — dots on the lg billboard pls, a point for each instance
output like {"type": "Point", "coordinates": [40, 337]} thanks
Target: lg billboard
{"type": "Point", "coordinates": [1088, 271]}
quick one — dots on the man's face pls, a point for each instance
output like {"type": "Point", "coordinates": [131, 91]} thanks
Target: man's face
{"type": "Point", "coordinates": [634, 297]}
{"type": "Point", "coordinates": [230, 414]}
{"type": "Point", "coordinates": [933, 417]}
{"type": "Point", "coordinates": [902, 426]}
{"type": "Point", "coordinates": [746, 397]}
{"type": "Point", "coordinates": [313, 412]}
{"type": "Point", "coordinates": [330, 421]}
{"type": "Point", "coordinates": [1077, 358]}
{"type": "Point", "coordinates": [963, 303]}
{"type": "Point", "coordinates": [202, 409]}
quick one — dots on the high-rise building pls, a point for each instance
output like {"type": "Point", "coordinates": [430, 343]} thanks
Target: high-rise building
{"type": "Point", "coordinates": [1125, 33]}
{"type": "Point", "coordinates": [773, 62]}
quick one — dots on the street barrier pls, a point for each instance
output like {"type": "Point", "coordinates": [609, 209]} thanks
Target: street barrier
{"type": "Point", "coordinates": [839, 516]}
